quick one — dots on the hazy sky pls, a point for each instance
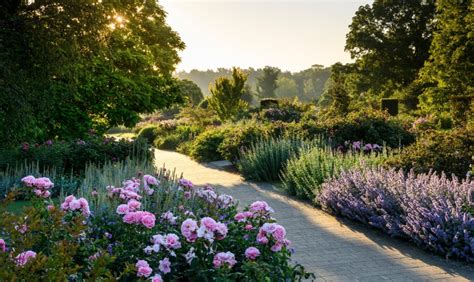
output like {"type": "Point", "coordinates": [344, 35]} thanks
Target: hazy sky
{"type": "Point", "coordinates": [291, 35]}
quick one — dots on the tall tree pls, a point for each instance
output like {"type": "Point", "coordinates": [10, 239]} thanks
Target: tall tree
{"type": "Point", "coordinates": [449, 72]}
{"type": "Point", "coordinates": [73, 65]}
{"type": "Point", "coordinates": [390, 41]}
{"type": "Point", "coordinates": [267, 82]}
{"type": "Point", "coordinates": [190, 90]}
{"type": "Point", "coordinates": [226, 95]}
{"type": "Point", "coordinates": [287, 87]}
{"type": "Point", "coordinates": [336, 95]}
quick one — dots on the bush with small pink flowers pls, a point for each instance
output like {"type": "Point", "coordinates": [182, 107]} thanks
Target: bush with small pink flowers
{"type": "Point", "coordinates": [151, 227]}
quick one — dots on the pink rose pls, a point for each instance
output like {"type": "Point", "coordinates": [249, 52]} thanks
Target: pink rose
{"type": "Point", "coordinates": [75, 205]}
{"type": "Point", "coordinates": [248, 227]}
{"type": "Point", "coordinates": [279, 233]}
{"type": "Point", "coordinates": [28, 180]}
{"type": "Point", "coordinates": [3, 246]}
{"type": "Point", "coordinates": [43, 183]}
{"type": "Point", "coordinates": [189, 229]}
{"type": "Point", "coordinates": [150, 180]}
{"type": "Point", "coordinates": [69, 199]}
{"type": "Point", "coordinates": [156, 278]}
{"type": "Point", "coordinates": [122, 209]}
{"type": "Point", "coordinates": [24, 258]}
{"type": "Point", "coordinates": [221, 230]}
{"type": "Point", "coordinates": [134, 205]}
{"type": "Point", "coordinates": [143, 268]}
{"type": "Point", "coordinates": [148, 220]}
{"type": "Point", "coordinates": [252, 253]}
{"type": "Point", "coordinates": [172, 241]}
{"type": "Point", "coordinates": [224, 259]}
{"type": "Point", "coordinates": [50, 208]}
{"type": "Point", "coordinates": [129, 218]}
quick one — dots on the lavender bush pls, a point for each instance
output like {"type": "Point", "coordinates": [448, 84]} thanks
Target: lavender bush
{"type": "Point", "coordinates": [428, 209]}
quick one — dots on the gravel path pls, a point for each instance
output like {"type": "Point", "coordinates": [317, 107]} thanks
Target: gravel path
{"type": "Point", "coordinates": [334, 249]}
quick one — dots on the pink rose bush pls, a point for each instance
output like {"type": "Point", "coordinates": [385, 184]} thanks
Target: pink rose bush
{"type": "Point", "coordinates": [41, 185]}
{"type": "Point", "coordinates": [159, 229]}
{"type": "Point", "coordinates": [73, 204]}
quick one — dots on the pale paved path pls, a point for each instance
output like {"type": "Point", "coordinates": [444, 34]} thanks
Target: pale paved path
{"type": "Point", "coordinates": [334, 250]}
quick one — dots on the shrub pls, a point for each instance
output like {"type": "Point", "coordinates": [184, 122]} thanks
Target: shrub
{"type": "Point", "coordinates": [74, 155]}
{"type": "Point", "coordinates": [449, 151]}
{"type": "Point", "coordinates": [306, 172]}
{"type": "Point", "coordinates": [181, 134]}
{"type": "Point", "coordinates": [239, 137]}
{"type": "Point", "coordinates": [367, 126]}
{"type": "Point", "coordinates": [10, 179]}
{"type": "Point", "coordinates": [147, 227]}
{"type": "Point", "coordinates": [205, 146]}
{"type": "Point", "coordinates": [149, 133]}
{"type": "Point", "coordinates": [427, 209]}
{"type": "Point", "coordinates": [267, 158]}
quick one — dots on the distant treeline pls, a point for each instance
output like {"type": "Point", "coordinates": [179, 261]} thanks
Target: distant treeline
{"type": "Point", "coordinates": [307, 85]}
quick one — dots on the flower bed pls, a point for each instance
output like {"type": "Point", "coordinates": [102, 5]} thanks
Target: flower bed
{"type": "Point", "coordinates": [430, 210]}
{"type": "Point", "coordinates": [151, 227]}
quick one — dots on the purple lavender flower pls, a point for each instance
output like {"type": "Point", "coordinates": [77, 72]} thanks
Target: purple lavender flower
{"type": "Point", "coordinates": [428, 209]}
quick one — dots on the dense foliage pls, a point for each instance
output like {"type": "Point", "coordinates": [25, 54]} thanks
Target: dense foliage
{"type": "Point", "coordinates": [450, 152]}
{"type": "Point", "coordinates": [265, 160]}
{"type": "Point", "coordinates": [428, 209]}
{"type": "Point", "coordinates": [72, 156]}
{"type": "Point", "coordinates": [69, 66]}
{"type": "Point", "coordinates": [314, 165]}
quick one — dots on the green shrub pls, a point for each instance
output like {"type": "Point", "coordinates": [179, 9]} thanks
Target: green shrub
{"type": "Point", "coordinates": [149, 133]}
{"type": "Point", "coordinates": [181, 134]}
{"type": "Point", "coordinates": [10, 179]}
{"type": "Point", "coordinates": [449, 151]}
{"type": "Point", "coordinates": [266, 159]}
{"type": "Point", "coordinates": [205, 146]}
{"type": "Point", "coordinates": [74, 155]}
{"type": "Point", "coordinates": [240, 136]}
{"type": "Point", "coordinates": [306, 172]}
{"type": "Point", "coordinates": [167, 142]}
{"type": "Point", "coordinates": [368, 126]}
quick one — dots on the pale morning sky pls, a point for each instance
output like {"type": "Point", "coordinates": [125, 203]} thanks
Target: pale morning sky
{"type": "Point", "coordinates": [291, 35]}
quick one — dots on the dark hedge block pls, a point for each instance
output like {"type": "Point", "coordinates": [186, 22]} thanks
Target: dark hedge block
{"type": "Point", "coordinates": [390, 105]}
{"type": "Point", "coordinates": [267, 103]}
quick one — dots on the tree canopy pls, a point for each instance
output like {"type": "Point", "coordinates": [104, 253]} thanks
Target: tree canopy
{"type": "Point", "coordinates": [267, 83]}
{"type": "Point", "coordinates": [390, 41]}
{"type": "Point", "coordinates": [449, 71]}
{"type": "Point", "coordinates": [67, 66]}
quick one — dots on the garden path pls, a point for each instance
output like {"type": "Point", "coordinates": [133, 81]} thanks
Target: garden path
{"type": "Point", "coordinates": [334, 249]}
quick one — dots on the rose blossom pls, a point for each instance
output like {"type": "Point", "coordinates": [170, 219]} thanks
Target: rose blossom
{"type": "Point", "coordinates": [260, 207]}
{"type": "Point", "coordinates": [156, 278]}
{"type": "Point", "coordinates": [189, 229]}
{"type": "Point", "coordinates": [150, 180]}
{"type": "Point", "coordinates": [252, 253]}
{"type": "Point", "coordinates": [222, 259]}
{"type": "Point", "coordinates": [134, 205]}
{"type": "Point", "coordinates": [24, 258]}
{"type": "Point", "coordinates": [122, 209]}
{"type": "Point", "coordinates": [165, 265]}
{"type": "Point", "coordinates": [28, 180]}
{"type": "Point", "coordinates": [143, 268]}
{"type": "Point", "coordinates": [3, 246]}
{"type": "Point", "coordinates": [148, 220]}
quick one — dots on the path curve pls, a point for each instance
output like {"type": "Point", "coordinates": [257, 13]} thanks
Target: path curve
{"type": "Point", "coordinates": [335, 250]}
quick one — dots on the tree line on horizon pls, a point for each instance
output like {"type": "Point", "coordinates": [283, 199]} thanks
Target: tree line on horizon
{"type": "Point", "coordinates": [268, 82]}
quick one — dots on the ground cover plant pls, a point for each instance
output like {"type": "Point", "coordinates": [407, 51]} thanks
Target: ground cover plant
{"type": "Point", "coordinates": [154, 227]}
{"type": "Point", "coordinates": [429, 209]}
